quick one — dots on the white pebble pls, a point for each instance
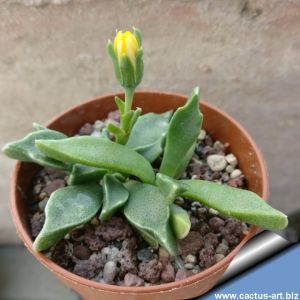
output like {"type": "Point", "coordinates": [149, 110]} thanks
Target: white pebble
{"type": "Point", "coordinates": [229, 169]}
{"type": "Point", "coordinates": [216, 162]}
{"type": "Point", "coordinates": [189, 266]}
{"type": "Point", "coordinates": [236, 173]}
{"type": "Point", "coordinates": [99, 125]}
{"type": "Point", "coordinates": [190, 259]}
{"type": "Point", "coordinates": [218, 146]}
{"type": "Point", "coordinates": [232, 160]}
{"type": "Point", "coordinates": [213, 211]}
{"type": "Point", "coordinates": [202, 135]}
{"type": "Point", "coordinates": [109, 272]}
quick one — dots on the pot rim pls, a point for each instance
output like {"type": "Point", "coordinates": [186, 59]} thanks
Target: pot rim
{"type": "Point", "coordinates": [53, 267]}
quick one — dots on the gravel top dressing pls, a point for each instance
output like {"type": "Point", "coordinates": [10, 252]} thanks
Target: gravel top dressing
{"type": "Point", "coordinates": [113, 252]}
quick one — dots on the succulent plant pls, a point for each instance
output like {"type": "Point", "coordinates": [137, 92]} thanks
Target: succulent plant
{"type": "Point", "coordinates": [108, 176]}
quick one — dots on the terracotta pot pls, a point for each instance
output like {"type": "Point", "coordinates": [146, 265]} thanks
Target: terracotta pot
{"type": "Point", "coordinates": [221, 126]}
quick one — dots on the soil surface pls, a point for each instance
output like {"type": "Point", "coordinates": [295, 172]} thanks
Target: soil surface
{"type": "Point", "coordinates": [113, 252]}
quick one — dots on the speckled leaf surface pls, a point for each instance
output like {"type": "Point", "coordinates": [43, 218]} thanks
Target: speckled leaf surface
{"type": "Point", "coordinates": [180, 221]}
{"type": "Point", "coordinates": [25, 149]}
{"type": "Point", "coordinates": [81, 174]}
{"type": "Point", "coordinates": [99, 153]}
{"type": "Point", "coordinates": [67, 208]}
{"type": "Point", "coordinates": [233, 202]}
{"type": "Point", "coordinates": [146, 209]}
{"type": "Point", "coordinates": [148, 134]}
{"type": "Point", "coordinates": [182, 135]}
{"type": "Point", "coordinates": [115, 196]}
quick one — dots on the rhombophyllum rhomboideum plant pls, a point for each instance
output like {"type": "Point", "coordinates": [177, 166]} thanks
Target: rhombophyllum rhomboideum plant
{"type": "Point", "coordinates": [114, 172]}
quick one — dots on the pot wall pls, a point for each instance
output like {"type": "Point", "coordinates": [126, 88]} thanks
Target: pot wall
{"type": "Point", "coordinates": [218, 124]}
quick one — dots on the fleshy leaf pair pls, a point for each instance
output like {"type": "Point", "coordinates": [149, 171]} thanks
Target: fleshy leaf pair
{"type": "Point", "coordinates": [237, 203]}
{"type": "Point", "coordinates": [66, 209]}
{"type": "Point", "coordinates": [98, 153]}
{"type": "Point", "coordinates": [26, 150]}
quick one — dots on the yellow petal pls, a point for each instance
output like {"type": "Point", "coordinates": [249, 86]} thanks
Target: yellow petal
{"type": "Point", "coordinates": [125, 43]}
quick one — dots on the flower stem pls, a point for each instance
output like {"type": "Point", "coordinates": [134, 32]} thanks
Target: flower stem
{"type": "Point", "coordinates": [129, 92]}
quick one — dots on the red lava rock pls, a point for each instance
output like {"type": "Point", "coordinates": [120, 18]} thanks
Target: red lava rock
{"type": "Point", "coordinates": [191, 244]}
{"type": "Point", "coordinates": [54, 185]}
{"type": "Point", "coordinates": [234, 226]}
{"type": "Point", "coordinates": [204, 228]}
{"type": "Point", "coordinates": [127, 257]}
{"type": "Point", "coordinates": [182, 274]}
{"type": "Point", "coordinates": [168, 272]}
{"type": "Point", "coordinates": [61, 253]}
{"type": "Point", "coordinates": [114, 115]}
{"type": "Point", "coordinates": [113, 229]}
{"type": "Point", "coordinates": [150, 271]}
{"type": "Point", "coordinates": [236, 182]}
{"type": "Point", "coordinates": [91, 267]}
{"type": "Point", "coordinates": [216, 224]}
{"type": "Point", "coordinates": [36, 223]}
{"type": "Point", "coordinates": [210, 239]}
{"type": "Point", "coordinates": [94, 241]}
{"type": "Point", "coordinates": [207, 257]}
{"type": "Point", "coordinates": [81, 251]}
{"type": "Point", "coordinates": [230, 238]}
{"type": "Point", "coordinates": [55, 173]}
{"type": "Point", "coordinates": [133, 280]}
{"type": "Point", "coordinates": [86, 129]}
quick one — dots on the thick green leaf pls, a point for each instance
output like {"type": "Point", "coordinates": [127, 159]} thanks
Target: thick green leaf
{"type": "Point", "coordinates": [25, 149]}
{"type": "Point", "coordinates": [180, 221]}
{"type": "Point", "coordinates": [240, 204]}
{"type": "Point", "coordinates": [115, 196]}
{"type": "Point", "coordinates": [99, 153]}
{"type": "Point", "coordinates": [182, 136]}
{"type": "Point", "coordinates": [147, 210]}
{"type": "Point", "coordinates": [67, 208]}
{"type": "Point", "coordinates": [81, 174]}
{"type": "Point", "coordinates": [169, 187]}
{"type": "Point", "coordinates": [148, 134]}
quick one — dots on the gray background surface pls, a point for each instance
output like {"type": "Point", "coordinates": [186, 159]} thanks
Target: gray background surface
{"type": "Point", "coordinates": [243, 54]}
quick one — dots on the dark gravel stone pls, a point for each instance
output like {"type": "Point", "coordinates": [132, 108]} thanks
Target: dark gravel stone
{"type": "Point", "coordinates": [62, 254]}
{"type": "Point", "coordinates": [91, 267]}
{"type": "Point", "coordinates": [54, 185]}
{"type": "Point", "coordinates": [204, 228]}
{"type": "Point", "coordinates": [36, 223]}
{"type": "Point", "coordinates": [77, 234]}
{"type": "Point", "coordinates": [207, 257]}
{"type": "Point", "coordinates": [216, 224]}
{"type": "Point", "coordinates": [114, 229]}
{"type": "Point", "coordinates": [150, 271]}
{"type": "Point", "coordinates": [191, 244]}
{"type": "Point", "coordinates": [145, 254]}
{"type": "Point", "coordinates": [81, 251]}
{"type": "Point", "coordinates": [133, 280]}
{"type": "Point", "coordinates": [127, 257]}
{"type": "Point", "coordinates": [86, 129]}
